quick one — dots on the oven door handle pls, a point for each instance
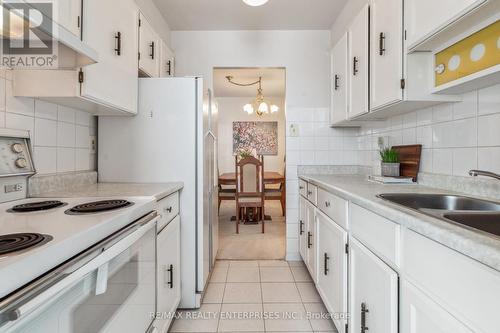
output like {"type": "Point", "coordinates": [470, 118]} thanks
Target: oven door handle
{"type": "Point", "coordinates": [26, 301]}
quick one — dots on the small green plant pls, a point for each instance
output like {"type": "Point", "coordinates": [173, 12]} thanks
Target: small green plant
{"type": "Point", "coordinates": [245, 153]}
{"type": "Point", "coordinates": [389, 155]}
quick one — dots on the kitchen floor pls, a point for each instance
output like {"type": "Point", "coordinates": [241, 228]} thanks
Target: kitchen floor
{"type": "Point", "coordinates": [241, 293]}
{"type": "Point", "coordinates": [250, 243]}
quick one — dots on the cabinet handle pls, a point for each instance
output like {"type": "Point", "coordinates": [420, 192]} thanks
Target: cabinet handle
{"type": "Point", "coordinates": [301, 187]}
{"type": "Point", "coordinates": [325, 264]}
{"type": "Point", "coordinates": [301, 227]}
{"type": "Point", "coordinates": [309, 236]}
{"type": "Point", "coordinates": [309, 192]}
{"type": "Point", "coordinates": [152, 45]}
{"type": "Point", "coordinates": [327, 204]}
{"type": "Point", "coordinates": [336, 85]}
{"type": "Point", "coordinates": [364, 311]}
{"type": "Point", "coordinates": [381, 44]}
{"type": "Point", "coordinates": [169, 67]}
{"type": "Point", "coordinates": [170, 271]}
{"type": "Point", "coordinates": [355, 62]}
{"type": "Point", "coordinates": [118, 43]}
{"type": "Point", "coordinates": [169, 209]}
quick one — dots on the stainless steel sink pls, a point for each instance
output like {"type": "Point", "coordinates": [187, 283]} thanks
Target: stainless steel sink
{"type": "Point", "coordinates": [472, 213]}
{"type": "Point", "coordinates": [441, 202]}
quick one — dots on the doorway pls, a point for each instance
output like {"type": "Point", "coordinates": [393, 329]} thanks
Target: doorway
{"type": "Point", "coordinates": [245, 127]}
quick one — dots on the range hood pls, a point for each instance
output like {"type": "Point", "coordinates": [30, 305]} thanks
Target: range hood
{"type": "Point", "coordinates": [70, 51]}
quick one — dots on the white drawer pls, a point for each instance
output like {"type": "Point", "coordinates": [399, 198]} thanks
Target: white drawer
{"type": "Point", "coordinates": [379, 234]}
{"type": "Point", "coordinates": [312, 193]}
{"type": "Point", "coordinates": [168, 208]}
{"type": "Point", "coordinates": [303, 188]}
{"type": "Point", "coordinates": [461, 285]}
{"type": "Point", "coordinates": [333, 206]}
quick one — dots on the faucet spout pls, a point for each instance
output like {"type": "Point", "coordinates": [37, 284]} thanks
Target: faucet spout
{"type": "Point", "coordinates": [475, 173]}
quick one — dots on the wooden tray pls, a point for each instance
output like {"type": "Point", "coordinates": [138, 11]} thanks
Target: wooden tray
{"type": "Point", "coordinates": [409, 158]}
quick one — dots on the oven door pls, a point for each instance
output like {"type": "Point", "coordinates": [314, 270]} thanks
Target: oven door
{"type": "Point", "coordinates": [109, 288]}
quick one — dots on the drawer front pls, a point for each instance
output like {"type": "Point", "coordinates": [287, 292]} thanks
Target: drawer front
{"type": "Point", "coordinates": [312, 193]}
{"type": "Point", "coordinates": [303, 188]}
{"type": "Point", "coordinates": [168, 208]}
{"type": "Point", "coordinates": [333, 206]}
{"type": "Point", "coordinates": [377, 233]}
{"type": "Point", "coordinates": [462, 286]}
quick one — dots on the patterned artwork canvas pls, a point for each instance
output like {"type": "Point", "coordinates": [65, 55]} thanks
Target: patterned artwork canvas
{"type": "Point", "coordinates": [258, 137]}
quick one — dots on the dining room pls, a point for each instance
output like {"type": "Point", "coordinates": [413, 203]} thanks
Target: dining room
{"type": "Point", "coordinates": [251, 162]}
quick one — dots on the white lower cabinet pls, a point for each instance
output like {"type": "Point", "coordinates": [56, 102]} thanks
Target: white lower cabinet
{"type": "Point", "coordinates": [302, 228]}
{"type": "Point", "coordinates": [419, 314]}
{"type": "Point", "coordinates": [373, 292]}
{"type": "Point", "coordinates": [332, 268]}
{"type": "Point", "coordinates": [168, 270]}
{"type": "Point", "coordinates": [311, 248]}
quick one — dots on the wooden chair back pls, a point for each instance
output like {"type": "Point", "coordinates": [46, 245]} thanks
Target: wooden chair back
{"type": "Point", "coordinates": [249, 176]}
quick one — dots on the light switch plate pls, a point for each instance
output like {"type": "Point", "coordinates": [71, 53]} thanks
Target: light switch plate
{"type": "Point", "coordinates": [93, 144]}
{"type": "Point", "coordinates": [294, 130]}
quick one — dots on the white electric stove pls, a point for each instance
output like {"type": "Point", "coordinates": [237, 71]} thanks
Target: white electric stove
{"type": "Point", "coordinates": [72, 264]}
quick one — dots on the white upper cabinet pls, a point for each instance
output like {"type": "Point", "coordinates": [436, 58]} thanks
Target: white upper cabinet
{"type": "Point", "coordinates": [386, 45]}
{"type": "Point", "coordinates": [68, 13]}
{"type": "Point", "coordinates": [110, 27]}
{"type": "Point", "coordinates": [373, 292]}
{"type": "Point", "coordinates": [148, 49]}
{"type": "Point", "coordinates": [167, 61]}
{"type": "Point", "coordinates": [340, 83]}
{"type": "Point", "coordinates": [359, 64]}
{"type": "Point", "coordinates": [332, 267]}
{"type": "Point", "coordinates": [426, 18]}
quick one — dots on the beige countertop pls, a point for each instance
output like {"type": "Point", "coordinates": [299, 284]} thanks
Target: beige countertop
{"type": "Point", "coordinates": [478, 245]}
{"type": "Point", "coordinates": [157, 190]}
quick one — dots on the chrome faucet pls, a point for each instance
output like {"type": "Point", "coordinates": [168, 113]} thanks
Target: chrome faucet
{"type": "Point", "coordinates": [475, 173]}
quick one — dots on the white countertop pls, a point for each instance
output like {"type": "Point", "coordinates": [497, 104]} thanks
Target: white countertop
{"type": "Point", "coordinates": [357, 189]}
{"type": "Point", "coordinates": [156, 190]}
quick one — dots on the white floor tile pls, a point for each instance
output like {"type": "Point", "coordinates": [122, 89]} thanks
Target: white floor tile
{"type": "Point", "coordinates": [280, 293]}
{"type": "Point", "coordinates": [242, 293]}
{"type": "Point", "coordinates": [308, 292]}
{"type": "Point", "coordinates": [318, 317]}
{"type": "Point", "coordinates": [243, 274]}
{"type": "Point", "coordinates": [276, 274]}
{"type": "Point", "coordinates": [214, 293]}
{"type": "Point", "coordinates": [290, 317]}
{"type": "Point", "coordinates": [206, 319]}
{"type": "Point", "coordinates": [241, 318]}
{"type": "Point", "coordinates": [301, 274]}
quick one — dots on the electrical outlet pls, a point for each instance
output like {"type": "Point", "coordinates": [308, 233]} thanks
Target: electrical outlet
{"type": "Point", "coordinates": [294, 130]}
{"type": "Point", "coordinates": [93, 144]}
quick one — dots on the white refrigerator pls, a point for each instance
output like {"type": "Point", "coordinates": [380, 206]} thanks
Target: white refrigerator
{"type": "Point", "coordinates": [172, 138]}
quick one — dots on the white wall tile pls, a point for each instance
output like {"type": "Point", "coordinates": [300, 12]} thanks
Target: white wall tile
{"type": "Point", "coordinates": [321, 143]}
{"type": "Point", "coordinates": [65, 159]}
{"type": "Point", "coordinates": [82, 159]}
{"type": "Point", "coordinates": [488, 130]}
{"type": "Point", "coordinates": [424, 136]}
{"type": "Point", "coordinates": [489, 100]}
{"type": "Point", "coordinates": [464, 159]}
{"type": "Point", "coordinates": [66, 114]}
{"type": "Point", "coordinates": [458, 133]}
{"type": "Point", "coordinates": [306, 143]}
{"type": "Point", "coordinates": [19, 121]}
{"type": "Point", "coordinates": [426, 161]}
{"type": "Point", "coordinates": [2, 95]}
{"type": "Point", "coordinates": [65, 135]}
{"type": "Point", "coordinates": [82, 136]}
{"type": "Point", "coordinates": [442, 161]}
{"type": "Point", "coordinates": [45, 110]}
{"type": "Point", "coordinates": [20, 105]}
{"type": "Point", "coordinates": [409, 136]}
{"type": "Point", "coordinates": [467, 107]}
{"type": "Point", "coordinates": [2, 119]}
{"type": "Point", "coordinates": [489, 159]}
{"type": "Point", "coordinates": [83, 118]}
{"type": "Point", "coordinates": [45, 159]}
{"type": "Point", "coordinates": [424, 117]}
{"type": "Point", "coordinates": [442, 112]}
{"type": "Point", "coordinates": [45, 132]}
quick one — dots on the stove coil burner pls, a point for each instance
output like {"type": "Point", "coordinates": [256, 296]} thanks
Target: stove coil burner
{"type": "Point", "coordinates": [18, 242]}
{"type": "Point", "coordinates": [98, 207]}
{"type": "Point", "coordinates": [36, 206]}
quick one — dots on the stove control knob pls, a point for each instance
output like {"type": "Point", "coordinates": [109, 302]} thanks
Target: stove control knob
{"type": "Point", "coordinates": [21, 163]}
{"type": "Point", "coordinates": [17, 148]}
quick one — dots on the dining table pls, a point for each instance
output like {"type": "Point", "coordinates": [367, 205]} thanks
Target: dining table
{"type": "Point", "coordinates": [270, 177]}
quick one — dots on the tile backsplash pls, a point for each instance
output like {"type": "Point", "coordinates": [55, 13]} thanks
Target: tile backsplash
{"type": "Point", "coordinates": [60, 135]}
{"type": "Point", "coordinates": [456, 137]}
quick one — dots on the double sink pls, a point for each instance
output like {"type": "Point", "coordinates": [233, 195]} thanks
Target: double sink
{"type": "Point", "coordinates": [469, 212]}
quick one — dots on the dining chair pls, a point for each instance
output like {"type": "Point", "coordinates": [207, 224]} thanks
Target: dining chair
{"type": "Point", "coordinates": [277, 191]}
{"type": "Point", "coordinates": [249, 188]}
{"type": "Point", "coordinates": [226, 191]}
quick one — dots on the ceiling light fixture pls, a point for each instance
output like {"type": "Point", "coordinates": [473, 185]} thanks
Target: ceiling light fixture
{"type": "Point", "coordinates": [259, 105]}
{"type": "Point", "coordinates": [255, 3]}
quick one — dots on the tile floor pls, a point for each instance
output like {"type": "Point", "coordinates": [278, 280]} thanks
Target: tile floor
{"type": "Point", "coordinates": [241, 293]}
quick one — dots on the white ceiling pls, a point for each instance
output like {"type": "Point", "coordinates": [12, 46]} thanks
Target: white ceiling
{"type": "Point", "coordinates": [236, 15]}
{"type": "Point", "coordinates": [273, 82]}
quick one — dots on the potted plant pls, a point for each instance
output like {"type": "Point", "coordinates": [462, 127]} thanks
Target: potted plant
{"type": "Point", "coordinates": [390, 162]}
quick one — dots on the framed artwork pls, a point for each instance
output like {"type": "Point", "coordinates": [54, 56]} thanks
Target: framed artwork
{"type": "Point", "coordinates": [257, 137]}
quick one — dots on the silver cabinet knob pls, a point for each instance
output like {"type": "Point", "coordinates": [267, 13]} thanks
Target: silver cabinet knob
{"type": "Point", "coordinates": [17, 148]}
{"type": "Point", "coordinates": [327, 204]}
{"type": "Point", "coordinates": [21, 163]}
{"type": "Point", "coordinates": [440, 69]}
{"type": "Point", "coordinates": [168, 209]}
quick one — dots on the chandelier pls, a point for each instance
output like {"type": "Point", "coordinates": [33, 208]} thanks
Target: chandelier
{"type": "Point", "coordinates": [259, 105]}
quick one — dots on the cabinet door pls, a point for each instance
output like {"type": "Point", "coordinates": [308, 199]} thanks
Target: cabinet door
{"type": "Point", "coordinates": [358, 64]}
{"type": "Point", "coordinates": [168, 280]}
{"type": "Point", "coordinates": [340, 77]}
{"type": "Point", "coordinates": [386, 61]}
{"type": "Point", "coordinates": [166, 63]}
{"type": "Point", "coordinates": [373, 291]}
{"type": "Point", "coordinates": [302, 228]}
{"type": "Point", "coordinates": [332, 267]}
{"type": "Point", "coordinates": [311, 240]}
{"type": "Point", "coordinates": [426, 17]}
{"type": "Point", "coordinates": [68, 14]}
{"type": "Point", "coordinates": [110, 28]}
{"type": "Point", "coordinates": [419, 314]}
{"type": "Point", "coordinates": [148, 48]}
